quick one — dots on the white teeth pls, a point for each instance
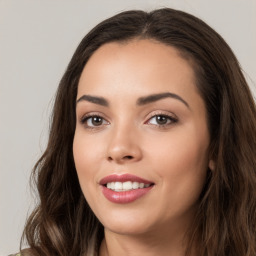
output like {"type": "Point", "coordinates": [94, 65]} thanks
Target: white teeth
{"type": "Point", "coordinates": [135, 185]}
{"type": "Point", "coordinates": [118, 186]}
{"type": "Point", "coordinates": [126, 186]}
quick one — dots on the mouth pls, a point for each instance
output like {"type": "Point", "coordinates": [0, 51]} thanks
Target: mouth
{"type": "Point", "coordinates": [125, 188]}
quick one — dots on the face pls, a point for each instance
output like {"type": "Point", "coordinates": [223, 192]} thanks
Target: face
{"type": "Point", "coordinates": [141, 139]}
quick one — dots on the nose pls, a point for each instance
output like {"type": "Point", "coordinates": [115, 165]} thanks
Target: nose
{"type": "Point", "coordinates": [124, 147]}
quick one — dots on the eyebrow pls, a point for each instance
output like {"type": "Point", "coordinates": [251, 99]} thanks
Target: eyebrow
{"type": "Point", "coordinates": [94, 99]}
{"type": "Point", "coordinates": [140, 102]}
{"type": "Point", "coordinates": [155, 97]}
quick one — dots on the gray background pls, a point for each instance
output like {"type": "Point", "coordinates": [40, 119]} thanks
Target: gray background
{"type": "Point", "coordinates": [37, 39]}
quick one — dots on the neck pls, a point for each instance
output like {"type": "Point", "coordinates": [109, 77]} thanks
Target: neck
{"type": "Point", "coordinates": [145, 244]}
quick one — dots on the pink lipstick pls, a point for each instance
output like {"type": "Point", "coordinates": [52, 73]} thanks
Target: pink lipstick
{"type": "Point", "coordinates": [124, 188]}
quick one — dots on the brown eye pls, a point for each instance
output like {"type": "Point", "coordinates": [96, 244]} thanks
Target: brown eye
{"type": "Point", "coordinates": [162, 120]}
{"type": "Point", "coordinates": [94, 121]}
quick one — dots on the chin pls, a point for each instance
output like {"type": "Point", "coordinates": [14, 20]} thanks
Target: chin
{"type": "Point", "coordinates": [129, 230]}
{"type": "Point", "coordinates": [127, 225]}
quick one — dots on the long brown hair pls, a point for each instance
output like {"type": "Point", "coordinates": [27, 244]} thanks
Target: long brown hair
{"type": "Point", "coordinates": [225, 224]}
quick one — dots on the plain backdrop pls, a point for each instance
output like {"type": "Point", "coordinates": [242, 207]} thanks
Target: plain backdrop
{"type": "Point", "coordinates": [37, 40]}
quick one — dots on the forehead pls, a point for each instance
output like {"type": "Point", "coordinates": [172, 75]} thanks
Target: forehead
{"type": "Point", "coordinates": [135, 67]}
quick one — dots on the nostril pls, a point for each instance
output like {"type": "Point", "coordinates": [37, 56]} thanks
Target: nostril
{"type": "Point", "coordinates": [121, 158]}
{"type": "Point", "coordinates": [128, 157]}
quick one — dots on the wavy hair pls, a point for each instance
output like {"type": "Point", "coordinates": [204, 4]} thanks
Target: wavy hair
{"type": "Point", "coordinates": [63, 224]}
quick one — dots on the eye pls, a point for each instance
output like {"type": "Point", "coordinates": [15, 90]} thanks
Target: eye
{"type": "Point", "coordinates": [93, 121]}
{"type": "Point", "coordinates": [162, 120]}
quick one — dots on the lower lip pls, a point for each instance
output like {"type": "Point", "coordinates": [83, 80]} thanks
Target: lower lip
{"type": "Point", "coordinates": [126, 196]}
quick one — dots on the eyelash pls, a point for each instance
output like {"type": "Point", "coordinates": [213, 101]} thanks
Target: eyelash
{"type": "Point", "coordinates": [87, 117]}
{"type": "Point", "coordinates": [170, 119]}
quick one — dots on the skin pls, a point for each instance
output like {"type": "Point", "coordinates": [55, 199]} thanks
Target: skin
{"type": "Point", "coordinates": [128, 139]}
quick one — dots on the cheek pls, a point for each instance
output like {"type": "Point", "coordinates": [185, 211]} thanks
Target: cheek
{"type": "Point", "coordinates": [187, 158]}
{"type": "Point", "coordinates": [181, 163]}
{"type": "Point", "coordinates": [183, 149]}
{"type": "Point", "coordinates": [86, 162]}
{"type": "Point", "coordinates": [86, 151]}
{"type": "Point", "coordinates": [184, 169]}
{"type": "Point", "coordinates": [86, 155]}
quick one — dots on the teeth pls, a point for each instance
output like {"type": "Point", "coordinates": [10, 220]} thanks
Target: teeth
{"type": "Point", "coordinates": [135, 185]}
{"type": "Point", "coordinates": [141, 185]}
{"type": "Point", "coordinates": [126, 186]}
{"type": "Point", "coordinates": [118, 186]}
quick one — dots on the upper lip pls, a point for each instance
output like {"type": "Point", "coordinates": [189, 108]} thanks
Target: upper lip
{"type": "Point", "coordinates": [123, 178]}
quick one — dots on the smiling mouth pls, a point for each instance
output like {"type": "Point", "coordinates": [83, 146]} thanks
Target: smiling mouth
{"type": "Point", "coordinates": [126, 186]}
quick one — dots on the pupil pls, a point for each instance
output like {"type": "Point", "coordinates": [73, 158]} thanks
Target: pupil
{"type": "Point", "coordinates": [161, 119]}
{"type": "Point", "coordinates": [96, 120]}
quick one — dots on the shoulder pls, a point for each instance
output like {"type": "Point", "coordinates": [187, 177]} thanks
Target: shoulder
{"type": "Point", "coordinates": [25, 252]}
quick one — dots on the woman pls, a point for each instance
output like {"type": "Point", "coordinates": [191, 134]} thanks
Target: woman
{"type": "Point", "coordinates": [152, 145]}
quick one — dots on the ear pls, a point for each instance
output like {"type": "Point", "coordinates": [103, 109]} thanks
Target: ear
{"type": "Point", "coordinates": [211, 165]}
